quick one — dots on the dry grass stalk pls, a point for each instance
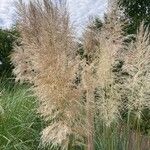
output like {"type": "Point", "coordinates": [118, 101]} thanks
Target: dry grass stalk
{"type": "Point", "coordinates": [89, 86]}
{"type": "Point", "coordinates": [47, 37]}
{"type": "Point", "coordinates": [89, 82]}
{"type": "Point", "coordinates": [137, 64]}
{"type": "Point", "coordinates": [109, 40]}
{"type": "Point", "coordinates": [110, 43]}
{"type": "Point", "coordinates": [102, 48]}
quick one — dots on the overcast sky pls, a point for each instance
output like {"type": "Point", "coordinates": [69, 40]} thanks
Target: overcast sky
{"type": "Point", "coordinates": [80, 11]}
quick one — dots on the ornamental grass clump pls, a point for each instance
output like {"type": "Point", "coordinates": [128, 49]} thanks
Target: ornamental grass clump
{"type": "Point", "coordinates": [78, 96]}
{"type": "Point", "coordinates": [47, 37]}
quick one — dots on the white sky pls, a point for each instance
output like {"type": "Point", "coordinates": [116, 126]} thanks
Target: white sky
{"type": "Point", "coordinates": [80, 11]}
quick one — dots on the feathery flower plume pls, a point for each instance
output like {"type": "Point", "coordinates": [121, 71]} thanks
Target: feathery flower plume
{"type": "Point", "coordinates": [110, 40]}
{"type": "Point", "coordinates": [49, 44]}
{"type": "Point", "coordinates": [138, 66]}
{"type": "Point", "coordinates": [101, 50]}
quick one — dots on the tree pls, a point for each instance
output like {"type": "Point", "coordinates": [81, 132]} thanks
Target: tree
{"type": "Point", "coordinates": [7, 38]}
{"type": "Point", "coordinates": [136, 11]}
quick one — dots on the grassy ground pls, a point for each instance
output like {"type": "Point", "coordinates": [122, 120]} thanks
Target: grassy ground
{"type": "Point", "coordinates": [20, 125]}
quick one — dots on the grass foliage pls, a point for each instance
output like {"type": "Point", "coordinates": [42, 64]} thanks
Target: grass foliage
{"type": "Point", "coordinates": [19, 123]}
